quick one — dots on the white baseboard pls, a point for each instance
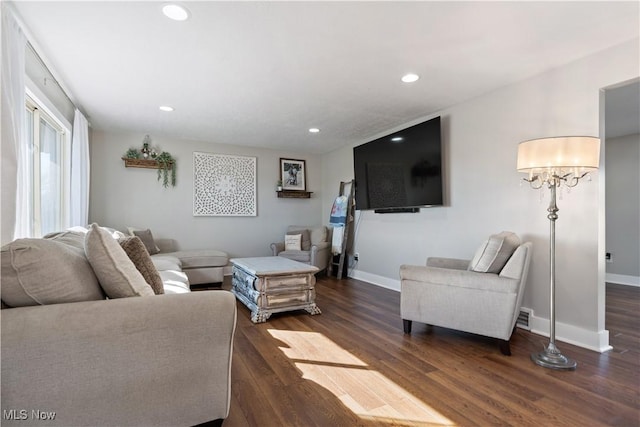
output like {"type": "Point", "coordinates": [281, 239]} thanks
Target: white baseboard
{"type": "Point", "coordinates": [374, 279]}
{"type": "Point", "coordinates": [575, 335]}
{"type": "Point", "coordinates": [591, 340]}
{"type": "Point", "coordinates": [622, 279]}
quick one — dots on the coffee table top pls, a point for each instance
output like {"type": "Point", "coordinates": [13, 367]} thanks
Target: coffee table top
{"type": "Point", "coordinates": [271, 265]}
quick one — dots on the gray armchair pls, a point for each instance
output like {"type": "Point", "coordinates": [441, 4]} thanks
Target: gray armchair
{"type": "Point", "coordinates": [448, 293]}
{"type": "Point", "coordinates": [315, 246]}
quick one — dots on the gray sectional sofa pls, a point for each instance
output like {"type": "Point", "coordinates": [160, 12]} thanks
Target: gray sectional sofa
{"type": "Point", "coordinates": [86, 340]}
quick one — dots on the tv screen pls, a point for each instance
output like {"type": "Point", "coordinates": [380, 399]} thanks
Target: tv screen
{"type": "Point", "coordinates": [400, 170]}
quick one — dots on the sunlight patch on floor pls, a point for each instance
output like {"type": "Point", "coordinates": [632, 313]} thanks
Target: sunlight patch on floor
{"type": "Point", "coordinates": [366, 392]}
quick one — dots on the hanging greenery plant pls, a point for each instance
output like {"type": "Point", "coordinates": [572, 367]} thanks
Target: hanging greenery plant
{"type": "Point", "coordinates": [166, 164]}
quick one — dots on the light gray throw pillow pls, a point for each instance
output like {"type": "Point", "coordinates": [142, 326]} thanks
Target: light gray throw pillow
{"type": "Point", "coordinates": [43, 271]}
{"type": "Point", "coordinates": [492, 256]}
{"type": "Point", "coordinates": [147, 238]}
{"type": "Point", "coordinates": [116, 273]}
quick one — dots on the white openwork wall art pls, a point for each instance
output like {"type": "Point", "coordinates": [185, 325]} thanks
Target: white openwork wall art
{"type": "Point", "coordinates": [224, 185]}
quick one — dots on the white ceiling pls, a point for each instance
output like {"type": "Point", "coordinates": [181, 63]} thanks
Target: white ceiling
{"type": "Point", "coordinates": [262, 73]}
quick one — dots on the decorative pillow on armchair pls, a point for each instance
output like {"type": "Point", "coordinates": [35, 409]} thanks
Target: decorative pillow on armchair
{"type": "Point", "coordinates": [293, 242]}
{"type": "Point", "coordinates": [492, 256]}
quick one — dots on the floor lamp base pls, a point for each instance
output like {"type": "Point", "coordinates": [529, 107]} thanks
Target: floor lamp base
{"type": "Point", "coordinates": [553, 359]}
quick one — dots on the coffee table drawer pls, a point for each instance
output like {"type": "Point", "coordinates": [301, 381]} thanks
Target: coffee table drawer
{"type": "Point", "coordinates": [288, 299]}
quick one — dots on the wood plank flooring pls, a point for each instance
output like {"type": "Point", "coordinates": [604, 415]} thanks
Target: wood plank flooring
{"type": "Point", "coordinates": [353, 366]}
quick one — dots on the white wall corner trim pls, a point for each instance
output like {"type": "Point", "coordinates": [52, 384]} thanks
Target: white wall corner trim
{"type": "Point", "coordinates": [575, 335]}
{"type": "Point", "coordinates": [622, 279]}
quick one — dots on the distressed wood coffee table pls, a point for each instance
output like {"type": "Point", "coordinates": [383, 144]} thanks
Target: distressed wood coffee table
{"type": "Point", "coordinates": [268, 285]}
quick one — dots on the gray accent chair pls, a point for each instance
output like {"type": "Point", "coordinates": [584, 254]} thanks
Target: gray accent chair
{"type": "Point", "coordinates": [318, 252]}
{"type": "Point", "coordinates": [446, 293]}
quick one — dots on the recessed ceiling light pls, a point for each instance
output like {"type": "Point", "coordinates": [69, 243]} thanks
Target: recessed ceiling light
{"type": "Point", "coordinates": [175, 12]}
{"type": "Point", "coordinates": [166, 108]}
{"type": "Point", "coordinates": [397, 139]}
{"type": "Point", "coordinates": [314, 130]}
{"type": "Point", "coordinates": [410, 78]}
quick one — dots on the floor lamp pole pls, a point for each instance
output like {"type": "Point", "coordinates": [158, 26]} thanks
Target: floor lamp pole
{"type": "Point", "coordinates": [551, 356]}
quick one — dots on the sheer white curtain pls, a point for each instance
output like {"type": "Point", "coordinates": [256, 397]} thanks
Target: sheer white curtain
{"type": "Point", "coordinates": [15, 178]}
{"type": "Point", "coordinates": [79, 212]}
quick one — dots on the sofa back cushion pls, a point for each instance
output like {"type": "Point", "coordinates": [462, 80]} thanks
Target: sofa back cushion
{"type": "Point", "coordinates": [68, 237]}
{"type": "Point", "coordinates": [493, 254]}
{"type": "Point", "coordinates": [116, 273]}
{"type": "Point", "coordinates": [44, 271]}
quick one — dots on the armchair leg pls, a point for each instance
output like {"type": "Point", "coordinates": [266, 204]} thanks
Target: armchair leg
{"type": "Point", "coordinates": [505, 348]}
{"type": "Point", "coordinates": [406, 325]}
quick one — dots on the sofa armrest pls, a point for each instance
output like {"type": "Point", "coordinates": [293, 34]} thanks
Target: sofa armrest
{"type": "Point", "coordinates": [452, 263]}
{"type": "Point", "coordinates": [276, 248]}
{"type": "Point", "coordinates": [157, 360]}
{"type": "Point", "coordinates": [459, 278]}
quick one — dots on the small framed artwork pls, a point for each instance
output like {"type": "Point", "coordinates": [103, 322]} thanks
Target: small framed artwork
{"type": "Point", "coordinates": [293, 174]}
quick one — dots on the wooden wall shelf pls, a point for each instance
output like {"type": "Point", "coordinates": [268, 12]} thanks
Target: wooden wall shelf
{"type": "Point", "coordinates": [288, 194]}
{"type": "Point", "coordinates": [142, 163]}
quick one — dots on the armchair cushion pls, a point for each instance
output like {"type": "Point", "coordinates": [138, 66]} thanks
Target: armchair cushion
{"type": "Point", "coordinates": [296, 255]}
{"type": "Point", "coordinates": [305, 243]}
{"type": "Point", "coordinates": [453, 263]}
{"type": "Point", "coordinates": [319, 235]}
{"type": "Point", "coordinates": [459, 278]}
{"type": "Point", "coordinates": [494, 253]}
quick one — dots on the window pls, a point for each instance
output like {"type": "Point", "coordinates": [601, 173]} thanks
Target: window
{"type": "Point", "coordinates": [50, 150]}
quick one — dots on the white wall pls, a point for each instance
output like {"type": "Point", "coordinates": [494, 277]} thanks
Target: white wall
{"type": "Point", "coordinates": [623, 206]}
{"type": "Point", "coordinates": [122, 197]}
{"type": "Point", "coordinates": [485, 195]}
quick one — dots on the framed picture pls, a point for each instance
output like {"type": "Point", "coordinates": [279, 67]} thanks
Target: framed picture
{"type": "Point", "coordinates": [293, 174]}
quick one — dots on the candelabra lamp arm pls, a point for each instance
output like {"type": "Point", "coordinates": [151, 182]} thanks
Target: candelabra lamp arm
{"type": "Point", "coordinates": [534, 181]}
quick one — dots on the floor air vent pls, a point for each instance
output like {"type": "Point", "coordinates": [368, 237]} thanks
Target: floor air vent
{"type": "Point", "coordinates": [523, 320]}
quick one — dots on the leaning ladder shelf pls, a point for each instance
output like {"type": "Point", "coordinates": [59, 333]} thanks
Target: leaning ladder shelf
{"type": "Point", "coordinates": [346, 229]}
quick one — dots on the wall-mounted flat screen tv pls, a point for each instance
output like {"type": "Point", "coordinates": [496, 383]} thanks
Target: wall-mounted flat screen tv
{"type": "Point", "coordinates": [400, 172]}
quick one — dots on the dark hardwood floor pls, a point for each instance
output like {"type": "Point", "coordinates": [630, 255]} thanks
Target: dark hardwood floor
{"type": "Point", "coordinates": [353, 366]}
